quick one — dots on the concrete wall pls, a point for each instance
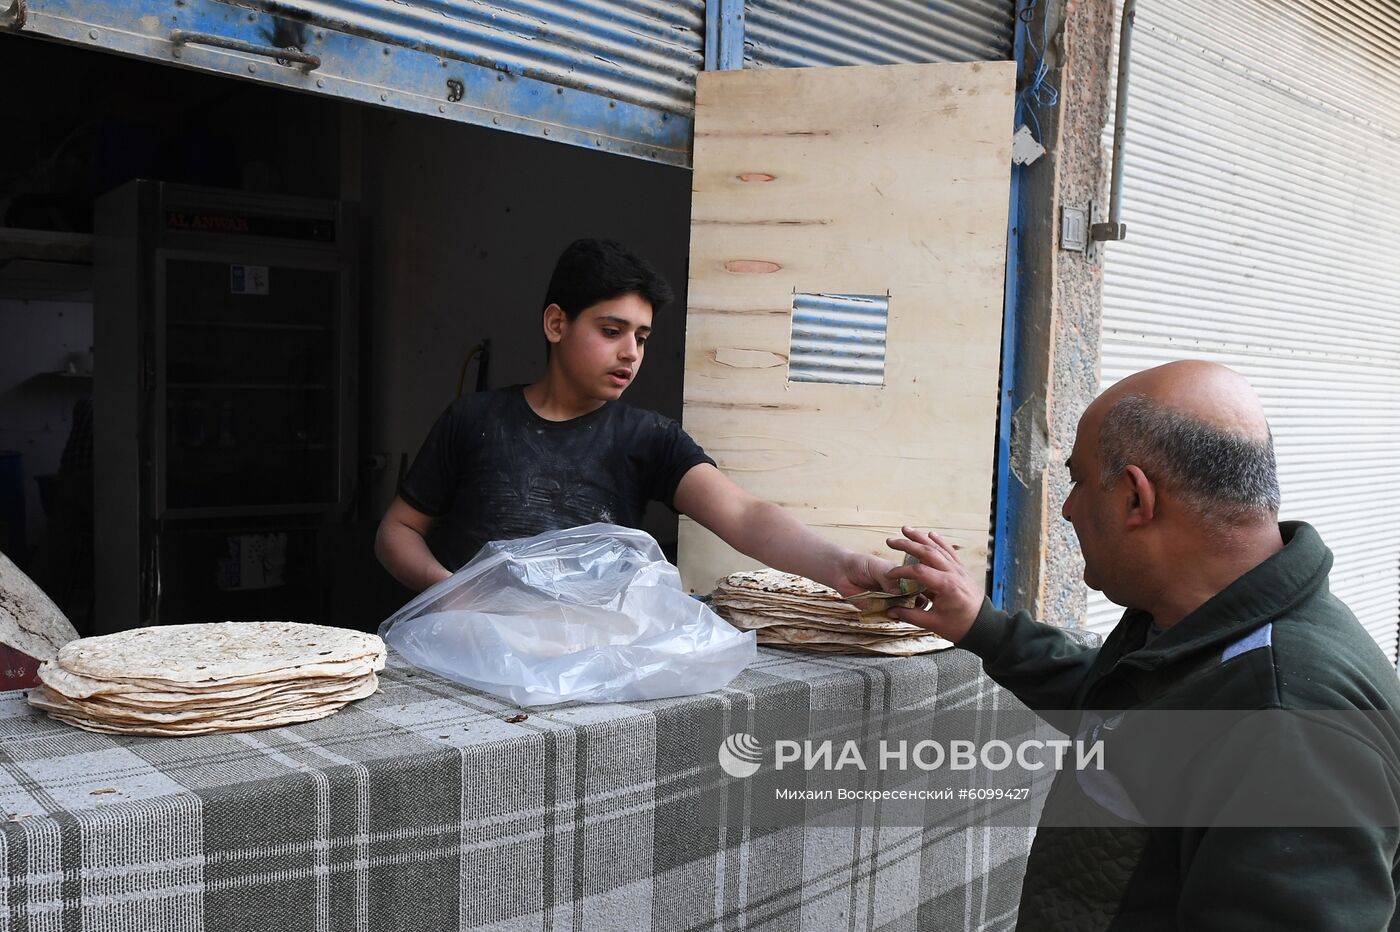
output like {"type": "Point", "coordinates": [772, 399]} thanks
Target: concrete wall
{"type": "Point", "coordinates": [1062, 302]}
{"type": "Point", "coordinates": [465, 225]}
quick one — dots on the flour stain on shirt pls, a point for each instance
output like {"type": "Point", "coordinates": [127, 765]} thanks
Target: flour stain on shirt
{"type": "Point", "coordinates": [491, 470]}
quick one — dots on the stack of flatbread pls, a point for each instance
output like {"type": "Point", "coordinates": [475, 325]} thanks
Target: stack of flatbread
{"type": "Point", "coordinates": [795, 612]}
{"type": "Point", "coordinates": [208, 678]}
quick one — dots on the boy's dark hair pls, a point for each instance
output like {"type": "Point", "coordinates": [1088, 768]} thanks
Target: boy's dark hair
{"type": "Point", "coordinates": [593, 270]}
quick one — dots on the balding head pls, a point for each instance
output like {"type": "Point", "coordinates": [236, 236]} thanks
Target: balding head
{"type": "Point", "coordinates": [1199, 430]}
{"type": "Point", "coordinates": [1206, 392]}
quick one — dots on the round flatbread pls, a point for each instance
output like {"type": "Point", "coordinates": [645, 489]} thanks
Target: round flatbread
{"type": "Point", "coordinates": [223, 652]}
{"type": "Point", "coordinates": [216, 698]}
{"type": "Point", "coordinates": [30, 622]}
{"type": "Point", "coordinates": [202, 728]}
{"type": "Point", "coordinates": [77, 686]}
{"type": "Point", "coordinates": [42, 698]}
{"type": "Point", "coordinates": [346, 691]}
{"type": "Point", "coordinates": [895, 647]}
{"type": "Point", "coordinates": [869, 624]}
{"type": "Point", "coordinates": [777, 582]}
{"type": "Point", "coordinates": [757, 590]}
{"type": "Point", "coordinates": [788, 634]}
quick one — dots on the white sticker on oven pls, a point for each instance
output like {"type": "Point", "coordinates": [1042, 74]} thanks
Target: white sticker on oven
{"type": "Point", "coordinates": [247, 279]}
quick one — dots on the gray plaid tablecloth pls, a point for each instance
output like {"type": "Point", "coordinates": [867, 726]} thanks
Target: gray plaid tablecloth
{"type": "Point", "coordinates": [422, 808]}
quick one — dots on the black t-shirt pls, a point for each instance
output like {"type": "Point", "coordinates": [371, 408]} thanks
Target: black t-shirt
{"type": "Point", "coordinates": [493, 469]}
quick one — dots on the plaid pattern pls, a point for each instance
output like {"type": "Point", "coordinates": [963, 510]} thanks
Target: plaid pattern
{"type": "Point", "coordinates": [422, 809]}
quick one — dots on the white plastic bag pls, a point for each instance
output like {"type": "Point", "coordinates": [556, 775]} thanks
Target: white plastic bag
{"type": "Point", "coordinates": [592, 613]}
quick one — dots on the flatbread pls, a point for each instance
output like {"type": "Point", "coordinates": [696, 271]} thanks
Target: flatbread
{"type": "Point", "coordinates": [895, 647]}
{"type": "Point", "coordinates": [756, 621]}
{"type": "Point", "coordinates": [243, 695]}
{"type": "Point", "coordinates": [213, 726]}
{"type": "Point", "coordinates": [759, 588]}
{"type": "Point", "coordinates": [30, 622]}
{"type": "Point", "coordinates": [791, 634]}
{"type": "Point", "coordinates": [796, 613]}
{"type": "Point", "coordinates": [223, 652]}
{"type": "Point", "coordinates": [348, 690]}
{"type": "Point", "coordinates": [845, 610]}
{"type": "Point", "coordinates": [77, 686]}
{"type": "Point", "coordinates": [775, 581]}
{"type": "Point", "coordinates": [208, 678]}
{"type": "Point", "coordinates": [43, 698]}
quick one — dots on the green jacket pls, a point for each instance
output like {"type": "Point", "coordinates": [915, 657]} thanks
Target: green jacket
{"type": "Point", "coordinates": [1276, 638]}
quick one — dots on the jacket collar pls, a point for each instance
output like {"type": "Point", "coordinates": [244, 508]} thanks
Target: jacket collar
{"type": "Point", "coordinates": [1264, 593]}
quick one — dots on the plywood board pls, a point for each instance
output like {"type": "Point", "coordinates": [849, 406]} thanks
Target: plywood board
{"type": "Point", "coordinates": [890, 179]}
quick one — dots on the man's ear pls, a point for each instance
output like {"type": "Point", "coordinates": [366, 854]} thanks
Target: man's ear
{"type": "Point", "coordinates": [555, 323]}
{"type": "Point", "coordinates": [1142, 505]}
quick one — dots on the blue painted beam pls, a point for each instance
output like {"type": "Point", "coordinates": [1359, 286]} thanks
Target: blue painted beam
{"type": "Point", "coordinates": [1006, 522]}
{"type": "Point", "coordinates": [371, 71]}
{"type": "Point", "coordinates": [724, 35]}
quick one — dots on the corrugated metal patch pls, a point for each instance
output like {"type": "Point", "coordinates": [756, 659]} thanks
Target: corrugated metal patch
{"type": "Point", "coordinates": [802, 33]}
{"type": "Point", "coordinates": [838, 338]}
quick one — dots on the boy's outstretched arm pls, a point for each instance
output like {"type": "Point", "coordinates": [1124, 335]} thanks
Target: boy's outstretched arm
{"type": "Point", "coordinates": [769, 534]}
{"type": "Point", "coordinates": [401, 545]}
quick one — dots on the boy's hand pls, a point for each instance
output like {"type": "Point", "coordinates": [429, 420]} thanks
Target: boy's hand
{"type": "Point", "coordinates": [860, 572]}
{"type": "Point", "coordinates": [956, 598]}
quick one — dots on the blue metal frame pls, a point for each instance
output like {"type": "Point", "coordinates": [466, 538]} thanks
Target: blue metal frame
{"type": "Point", "coordinates": [1008, 506]}
{"type": "Point", "coordinates": [369, 71]}
{"type": "Point", "coordinates": [724, 35]}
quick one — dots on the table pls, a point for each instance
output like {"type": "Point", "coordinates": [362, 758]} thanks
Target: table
{"type": "Point", "coordinates": [422, 808]}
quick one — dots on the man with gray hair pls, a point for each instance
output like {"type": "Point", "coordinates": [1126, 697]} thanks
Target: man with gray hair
{"type": "Point", "coordinates": [1175, 503]}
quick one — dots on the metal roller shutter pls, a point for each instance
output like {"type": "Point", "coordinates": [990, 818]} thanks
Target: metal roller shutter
{"type": "Point", "coordinates": [802, 33]}
{"type": "Point", "coordinates": [1262, 197]}
{"type": "Point", "coordinates": [617, 75]}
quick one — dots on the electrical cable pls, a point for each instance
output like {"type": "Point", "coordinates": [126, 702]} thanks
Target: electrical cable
{"type": "Point", "coordinates": [1038, 92]}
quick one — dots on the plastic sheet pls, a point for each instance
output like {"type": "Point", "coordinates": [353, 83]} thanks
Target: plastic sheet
{"type": "Point", "coordinates": [593, 614]}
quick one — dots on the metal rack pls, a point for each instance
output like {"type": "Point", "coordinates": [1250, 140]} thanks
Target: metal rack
{"type": "Point", "coordinates": [225, 404]}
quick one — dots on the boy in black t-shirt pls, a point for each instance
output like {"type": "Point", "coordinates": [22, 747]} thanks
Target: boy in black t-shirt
{"type": "Point", "coordinates": [564, 451]}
